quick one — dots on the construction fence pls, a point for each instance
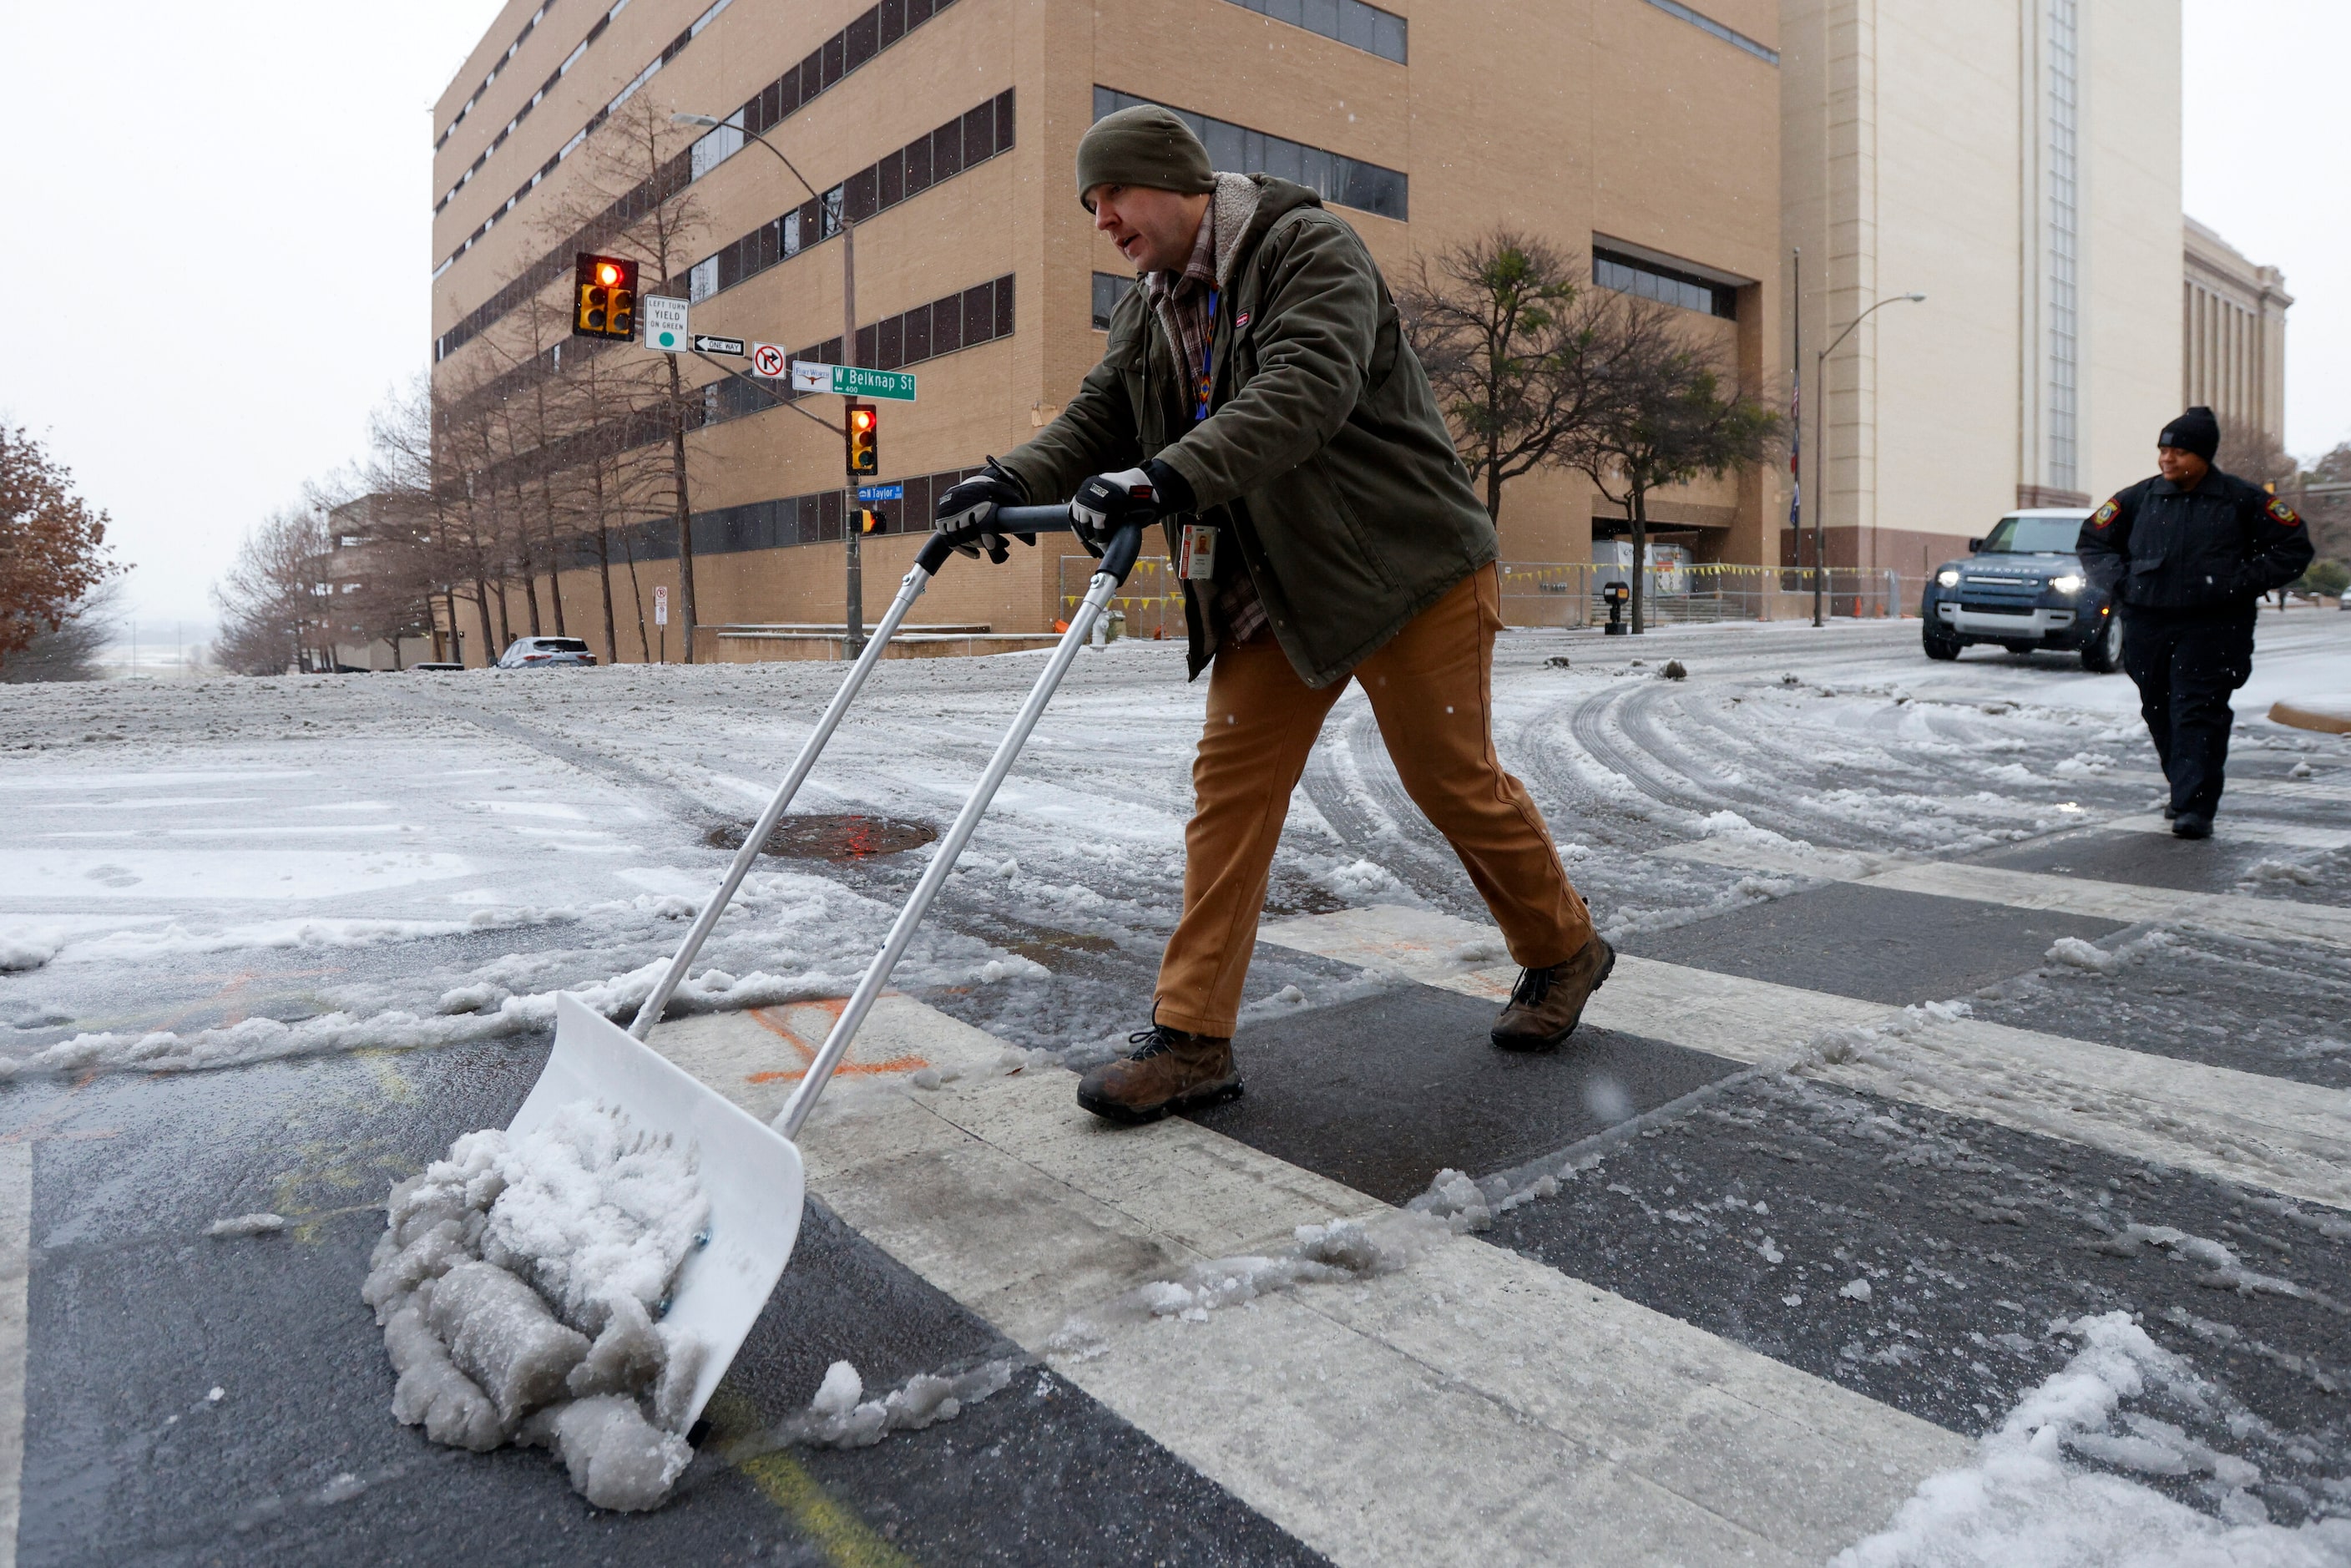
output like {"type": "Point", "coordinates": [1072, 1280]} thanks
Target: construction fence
{"type": "Point", "coordinates": [1562, 594]}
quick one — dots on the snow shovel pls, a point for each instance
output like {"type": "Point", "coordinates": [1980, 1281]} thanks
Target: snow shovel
{"type": "Point", "coordinates": [749, 1171]}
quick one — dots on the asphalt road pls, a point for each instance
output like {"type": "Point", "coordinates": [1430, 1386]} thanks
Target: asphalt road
{"type": "Point", "coordinates": [195, 1399]}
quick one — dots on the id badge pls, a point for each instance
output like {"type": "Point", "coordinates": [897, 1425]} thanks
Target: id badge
{"type": "Point", "coordinates": [1199, 555]}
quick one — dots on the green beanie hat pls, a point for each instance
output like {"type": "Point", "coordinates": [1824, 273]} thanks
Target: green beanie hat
{"type": "Point", "coordinates": [1145, 145]}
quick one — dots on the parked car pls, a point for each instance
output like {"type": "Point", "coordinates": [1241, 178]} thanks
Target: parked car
{"type": "Point", "coordinates": [429, 666]}
{"type": "Point", "coordinates": [2024, 589]}
{"type": "Point", "coordinates": [544, 653]}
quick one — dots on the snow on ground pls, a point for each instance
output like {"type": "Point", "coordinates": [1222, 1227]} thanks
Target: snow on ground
{"type": "Point", "coordinates": [270, 868]}
{"type": "Point", "coordinates": [520, 1283]}
{"type": "Point", "coordinates": [2028, 1500]}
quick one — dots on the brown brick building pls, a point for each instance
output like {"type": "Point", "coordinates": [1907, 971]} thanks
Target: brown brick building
{"type": "Point", "coordinates": [1642, 130]}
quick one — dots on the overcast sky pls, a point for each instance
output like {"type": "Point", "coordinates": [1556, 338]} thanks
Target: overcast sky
{"type": "Point", "coordinates": [275, 155]}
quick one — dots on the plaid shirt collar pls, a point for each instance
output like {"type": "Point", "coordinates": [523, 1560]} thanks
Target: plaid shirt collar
{"type": "Point", "coordinates": [1181, 302]}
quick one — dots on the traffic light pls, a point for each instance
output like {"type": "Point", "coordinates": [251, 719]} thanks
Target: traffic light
{"type": "Point", "coordinates": [864, 440]}
{"type": "Point", "coordinates": [604, 300]}
{"type": "Point", "coordinates": [870, 520]}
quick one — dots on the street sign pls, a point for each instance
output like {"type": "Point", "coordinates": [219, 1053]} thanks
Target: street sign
{"type": "Point", "coordinates": [661, 606]}
{"type": "Point", "coordinates": [705, 344]}
{"type": "Point", "coordinates": [852, 380]}
{"type": "Point", "coordinates": [870, 493]}
{"type": "Point", "coordinates": [665, 322]}
{"type": "Point", "coordinates": [771, 360]}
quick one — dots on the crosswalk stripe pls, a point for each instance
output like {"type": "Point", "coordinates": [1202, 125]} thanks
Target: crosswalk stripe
{"type": "Point", "coordinates": [1517, 1410]}
{"type": "Point", "coordinates": [2298, 835]}
{"type": "Point", "coordinates": [2290, 1137]}
{"type": "Point", "coordinates": [2129, 903]}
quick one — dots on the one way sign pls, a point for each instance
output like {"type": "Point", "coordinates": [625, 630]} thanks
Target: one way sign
{"type": "Point", "coordinates": [705, 344]}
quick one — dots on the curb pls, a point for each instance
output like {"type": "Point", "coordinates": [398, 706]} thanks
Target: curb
{"type": "Point", "coordinates": [2333, 720]}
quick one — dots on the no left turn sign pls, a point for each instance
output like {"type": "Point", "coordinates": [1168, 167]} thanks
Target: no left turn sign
{"type": "Point", "coordinates": [769, 359]}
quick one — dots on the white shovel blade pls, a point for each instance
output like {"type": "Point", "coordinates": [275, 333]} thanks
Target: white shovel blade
{"type": "Point", "coordinates": [750, 1173]}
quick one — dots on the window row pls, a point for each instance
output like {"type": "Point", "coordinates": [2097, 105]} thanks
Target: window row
{"type": "Point", "coordinates": [675, 47]}
{"type": "Point", "coordinates": [872, 31]}
{"type": "Point", "coordinates": [1730, 35]}
{"type": "Point", "coordinates": [1650, 281]}
{"type": "Point", "coordinates": [1235, 149]}
{"type": "Point", "coordinates": [968, 139]}
{"type": "Point", "coordinates": [980, 314]}
{"type": "Point", "coordinates": [1353, 23]}
{"type": "Point", "coordinates": [512, 49]}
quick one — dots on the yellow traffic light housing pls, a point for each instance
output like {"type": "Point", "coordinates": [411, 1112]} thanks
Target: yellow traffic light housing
{"type": "Point", "coordinates": [865, 441]}
{"type": "Point", "coordinates": [604, 298]}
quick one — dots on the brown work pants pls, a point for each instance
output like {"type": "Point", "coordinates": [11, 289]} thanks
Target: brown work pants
{"type": "Point", "coordinates": [1431, 690]}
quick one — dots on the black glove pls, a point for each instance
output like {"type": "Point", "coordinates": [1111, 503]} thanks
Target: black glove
{"type": "Point", "coordinates": [970, 504]}
{"type": "Point", "coordinates": [1109, 502]}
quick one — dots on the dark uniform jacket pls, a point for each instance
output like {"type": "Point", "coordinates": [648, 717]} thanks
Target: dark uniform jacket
{"type": "Point", "coordinates": [2219, 545]}
{"type": "Point", "coordinates": [1323, 452]}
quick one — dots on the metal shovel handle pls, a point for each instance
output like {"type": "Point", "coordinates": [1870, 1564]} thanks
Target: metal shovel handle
{"type": "Point", "coordinates": [1118, 560]}
{"type": "Point", "coordinates": [934, 555]}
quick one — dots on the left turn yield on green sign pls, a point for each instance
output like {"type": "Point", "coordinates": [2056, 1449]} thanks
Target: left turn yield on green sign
{"type": "Point", "coordinates": [664, 319]}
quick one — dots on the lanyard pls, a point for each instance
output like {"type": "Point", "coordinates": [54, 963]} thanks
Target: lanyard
{"type": "Point", "coordinates": [1207, 362]}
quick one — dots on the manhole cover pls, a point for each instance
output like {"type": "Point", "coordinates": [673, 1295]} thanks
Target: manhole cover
{"type": "Point", "coordinates": [837, 838]}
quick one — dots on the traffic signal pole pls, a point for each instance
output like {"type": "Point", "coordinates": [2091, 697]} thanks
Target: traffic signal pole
{"type": "Point", "coordinates": [853, 525]}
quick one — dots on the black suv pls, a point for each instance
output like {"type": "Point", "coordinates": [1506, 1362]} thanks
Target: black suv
{"type": "Point", "coordinates": [2024, 589]}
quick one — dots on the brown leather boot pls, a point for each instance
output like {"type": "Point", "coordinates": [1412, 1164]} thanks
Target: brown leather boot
{"type": "Point", "coordinates": [1547, 1004]}
{"type": "Point", "coordinates": [1168, 1070]}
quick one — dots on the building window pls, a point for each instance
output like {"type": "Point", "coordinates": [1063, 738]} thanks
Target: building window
{"type": "Point", "coordinates": [1110, 288]}
{"type": "Point", "coordinates": [1611, 269]}
{"type": "Point", "coordinates": [1235, 149]}
{"type": "Point", "coordinates": [1706, 23]}
{"type": "Point", "coordinates": [968, 140]}
{"type": "Point", "coordinates": [1353, 23]}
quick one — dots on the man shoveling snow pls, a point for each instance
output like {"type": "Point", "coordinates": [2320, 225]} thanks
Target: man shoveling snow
{"type": "Point", "coordinates": [522, 1284]}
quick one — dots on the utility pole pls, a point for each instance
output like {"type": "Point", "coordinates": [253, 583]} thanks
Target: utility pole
{"type": "Point", "coordinates": [1821, 440]}
{"type": "Point", "coordinates": [852, 532]}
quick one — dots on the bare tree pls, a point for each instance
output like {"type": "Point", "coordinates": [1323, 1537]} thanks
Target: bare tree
{"type": "Point", "coordinates": [271, 601]}
{"type": "Point", "coordinates": [1514, 344]}
{"type": "Point", "coordinates": [614, 477]}
{"type": "Point", "coordinates": [1674, 412]}
{"type": "Point", "coordinates": [2329, 517]}
{"type": "Point", "coordinates": [636, 168]}
{"type": "Point", "coordinates": [2253, 454]}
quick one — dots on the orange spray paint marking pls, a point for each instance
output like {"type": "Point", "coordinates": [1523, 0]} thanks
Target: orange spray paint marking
{"type": "Point", "coordinates": [833, 1005]}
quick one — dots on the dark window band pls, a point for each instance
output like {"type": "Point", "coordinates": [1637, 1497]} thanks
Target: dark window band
{"type": "Point", "coordinates": [1651, 281]}
{"type": "Point", "coordinates": [1238, 149]}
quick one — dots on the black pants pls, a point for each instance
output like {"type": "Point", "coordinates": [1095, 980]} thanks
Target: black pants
{"type": "Point", "coordinates": [2185, 664]}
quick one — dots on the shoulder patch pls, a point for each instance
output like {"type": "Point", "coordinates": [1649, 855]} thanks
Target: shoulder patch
{"type": "Point", "coordinates": [2105, 515]}
{"type": "Point", "coordinates": [2278, 509]}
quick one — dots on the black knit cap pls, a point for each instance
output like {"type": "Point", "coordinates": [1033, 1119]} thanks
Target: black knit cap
{"type": "Point", "coordinates": [2195, 430]}
{"type": "Point", "coordinates": [1145, 145]}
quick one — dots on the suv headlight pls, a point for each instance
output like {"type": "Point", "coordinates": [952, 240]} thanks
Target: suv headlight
{"type": "Point", "coordinates": [2069, 584]}
{"type": "Point", "coordinates": [1947, 578]}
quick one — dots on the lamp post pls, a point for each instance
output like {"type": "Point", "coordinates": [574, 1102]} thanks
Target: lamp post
{"type": "Point", "coordinates": [1820, 456]}
{"type": "Point", "coordinates": [853, 614]}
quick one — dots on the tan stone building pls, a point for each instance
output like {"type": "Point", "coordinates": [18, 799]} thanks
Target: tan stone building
{"type": "Point", "coordinates": [2233, 334]}
{"type": "Point", "coordinates": [2018, 162]}
{"type": "Point", "coordinates": [1644, 131]}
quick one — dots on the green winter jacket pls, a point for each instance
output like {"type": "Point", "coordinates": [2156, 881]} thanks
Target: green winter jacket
{"type": "Point", "coordinates": [1323, 452]}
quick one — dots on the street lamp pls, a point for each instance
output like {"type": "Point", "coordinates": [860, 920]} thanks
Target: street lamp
{"type": "Point", "coordinates": [1821, 457]}
{"type": "Point", "coordinates": [853, 617]}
